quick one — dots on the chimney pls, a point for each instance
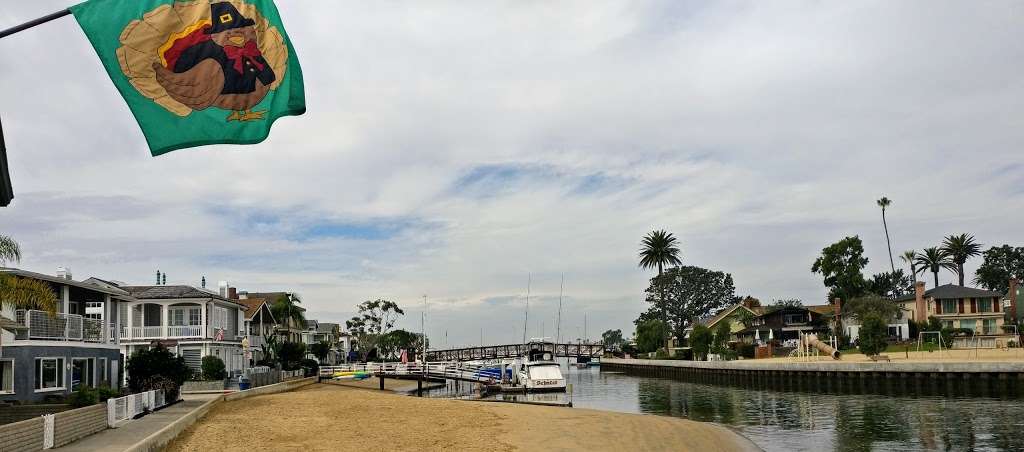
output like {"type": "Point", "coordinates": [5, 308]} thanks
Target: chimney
{"type": "Point", "coordinates": [919, 303]}
{"type": "Point", "coordinates": [64, 273]}
{"type": "Point", "coordinates": [1013, 299]}
{"type": "Point", "coordinates": [232, 293]}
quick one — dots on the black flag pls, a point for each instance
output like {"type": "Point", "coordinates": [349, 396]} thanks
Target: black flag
{"type": "Point", "coordinates": [6, 192]}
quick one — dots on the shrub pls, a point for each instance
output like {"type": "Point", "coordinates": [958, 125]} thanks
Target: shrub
{"type": "Point", "coordinates": [84, 396]}
{"type": "Point", "coordinates": [873, 334]}
{"type": "Point", "coordinates": [213, 368]}
{"type": "Point", "coordinates": [291, 355]}
{"type": "Point", "coordinates": [310, 366]}
{"type": "Point", "coordinates": [700, 340]}
{"type": "Point", "coordinates": [745, 350]}
{"type": "Point", "coordinates": [106, 392]}
{"type": "Point", "coordinates": [160, 382]}
{"type": "Point", "coordinates": [144, 366]}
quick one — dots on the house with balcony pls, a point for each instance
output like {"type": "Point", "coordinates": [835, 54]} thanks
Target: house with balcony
{"type": "Point", "coordinates": [259, 324]}
{"type": "Point", "coordinates": [190, 322]}
{"type": "Point", "coordinates": [969, 308]}
{"type": "Point", "coordinates": [287, 330]}
{"type": "Point", "coordinates": [52, 355]}
{"type": "Point", "coordinates": [785, 324]}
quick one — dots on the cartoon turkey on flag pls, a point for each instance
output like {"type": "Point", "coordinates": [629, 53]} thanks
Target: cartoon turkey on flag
{"type": "Point", "coordinates": [189, 56]}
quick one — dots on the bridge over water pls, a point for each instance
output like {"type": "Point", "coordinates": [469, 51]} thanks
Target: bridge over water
{"type": "Point", "coordinates": [516, 351]}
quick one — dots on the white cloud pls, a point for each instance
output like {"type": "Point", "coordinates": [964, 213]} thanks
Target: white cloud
{"type": "Point", "coordinates": [757, 132]}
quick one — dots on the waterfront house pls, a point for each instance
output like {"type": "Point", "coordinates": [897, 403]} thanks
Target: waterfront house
{"type": "Point", "coordinates": [287, 329]}
{"type": "Point", "coordinates": [190, 322]}
{"type": "Point", "coordinates": [259, 324]}
{"type": "Point", "coordinates": [898, 327]}
{"type": "Point", "coordinates": [967, 308]}
{"type": "Point", "coordinates": [786, 323]}
{"type": "Point", "coordinates": [735, 315]}
{"type": "Point", "coordinates": [43, 355]}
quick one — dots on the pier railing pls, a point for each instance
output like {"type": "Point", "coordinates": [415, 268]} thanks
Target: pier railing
{"type": "Point", "coordinates": [516, 351]}
{"type": "Point", "coordinates": [482, 373]}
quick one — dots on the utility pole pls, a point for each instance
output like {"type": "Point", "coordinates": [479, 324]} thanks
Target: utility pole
{"type": "Point", "coordinates": [526, 320]}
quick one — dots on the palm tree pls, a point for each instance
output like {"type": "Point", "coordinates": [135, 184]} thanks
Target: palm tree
{"type": "Point", "coordinates": [883, 203]}
{"type": "Point", "coordinates": [910, 257]}
{"type": "Point", "coordinates": [286, 307]}
{"type": "Point", "coordinates": [23, 293]}
{"type": "Point", "coordinates": [932, 260]}
{"type": "Point", "coordinates": [658, 249]}
{"type": "Point", "coordinates": [959, 248]}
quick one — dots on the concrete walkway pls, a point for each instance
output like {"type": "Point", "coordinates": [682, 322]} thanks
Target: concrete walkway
{"type": "Point", "coordinates": [131, 432]}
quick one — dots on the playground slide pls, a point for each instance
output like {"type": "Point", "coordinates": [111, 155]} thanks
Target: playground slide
{"type": "Point", "coordinates": [812, 340]}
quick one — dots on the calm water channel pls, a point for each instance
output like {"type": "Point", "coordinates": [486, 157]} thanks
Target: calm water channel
{"type": "Point", "coordinates": [812, 421]}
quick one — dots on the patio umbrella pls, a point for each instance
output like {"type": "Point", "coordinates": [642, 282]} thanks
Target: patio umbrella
{"type": "Point", "coordinates": [757, 336]}
{"type": "Point", "coordinates": [771, 335]}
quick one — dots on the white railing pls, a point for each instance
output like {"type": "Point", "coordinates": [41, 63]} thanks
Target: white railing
{"type": "Point", "coordinates": [62, 327]}
{"type": "Point", "coordinates": [125, 408]}
{"type": "Point", "coordinates": [292, 374]}
{"type": "Point", "coordinates": [185, 331]}
{"type": "Point", "coordinates": [142, 332]}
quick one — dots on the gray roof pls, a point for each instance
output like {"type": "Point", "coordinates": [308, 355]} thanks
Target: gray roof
{"type": "Point", "coordinates": [57, 280]}
{"type": "Point", "coordinates": [311, 324]}
{"type": "Point", "coordinates": [170, 292]}
{"type": "Point", "coordinates": [953, 291]}
{"type": "Point", "coordinates": [326, 327]}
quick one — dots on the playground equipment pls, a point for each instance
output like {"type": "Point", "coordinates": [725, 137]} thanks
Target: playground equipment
{"type": "Point", "coordinates": [938, 335]}
{"type": "Point", "coordinates": [808, 345]}
{"type": "Point", "coordinates": [812, 341]}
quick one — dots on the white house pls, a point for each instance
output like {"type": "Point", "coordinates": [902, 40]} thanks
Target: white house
{"type": "Point", "coordinates": [191, 322]}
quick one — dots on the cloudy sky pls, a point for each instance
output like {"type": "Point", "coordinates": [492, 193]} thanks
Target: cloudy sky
{"type": "Point", "coordinates": [451, 149]}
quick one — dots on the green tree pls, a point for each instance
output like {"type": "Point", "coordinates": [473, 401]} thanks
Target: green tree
{"type": "Point", "coordinates": [890, 284]}
{"type": "Point", "coordinates": [612, 339]}
{"type": "Point", "coordinates": [650, 335]}
{"type": "Point", "coordinates": [23, 293]}
{"type": "Point", "coordinates": [932, 260]}
{"type": "Point", "coordinates": [374, 320]}
{"type": "Point", "coordinates": [291, 354]}
{"type": "Point", "coordinates": [959, 248]}
{"type": "Point", "coordinates": [883, 203]}
{"type": "Point", "coordinates": [320, 350]}
{"type": "Point", "coordinates": [998, 265]}
{"type": "Point", "coordinates": [841, 264]}
{"type": "Point", "coordinates": [722, 334]}
{"type": "Point", "coordinates": [213, 368]}
{"type": "Point", "coordinates": [685, 294]}
{"type": "Point", "coordinates": [285, 307]}
{"type": "Point", "coordinates": [658, 249]}
{"type": "Point", "coordinates": [149, 369]}
{"type": "Point", "coordinates": [872, 336]}
{"type": "Point", "coordinates": [910, 257]}
{"type": "Point", "coordinates": [391, 343]}
{"type": "Point", "coordinates": [863, 307]}
{"type": "Point", "coordinates": [700, 342]}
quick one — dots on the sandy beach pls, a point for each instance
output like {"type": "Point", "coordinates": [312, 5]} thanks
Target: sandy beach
{"type": "Point", "coordinates": [334, 417]}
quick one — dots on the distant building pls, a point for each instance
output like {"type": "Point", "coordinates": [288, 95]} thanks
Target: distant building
{"type": "Point", "coordinates": [978, 310]}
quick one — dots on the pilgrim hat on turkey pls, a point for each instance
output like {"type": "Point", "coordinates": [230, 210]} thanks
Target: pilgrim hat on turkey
{"type": "Point", "coordinates": [226, 17]}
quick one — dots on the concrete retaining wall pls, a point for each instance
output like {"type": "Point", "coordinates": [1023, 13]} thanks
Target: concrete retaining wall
{"type": "Point", "coordinates": [830, 366]}
{"type": "Point", "coordinates": [158, 440]}
{"type": "Point", "coordinates": [202, 385]}
{"type": "Point", "coordinates": [22, 436]}
{"type": "Point", "coordinates": [18, 413]}
{"type": "Point", "coordinates": [72, 425]}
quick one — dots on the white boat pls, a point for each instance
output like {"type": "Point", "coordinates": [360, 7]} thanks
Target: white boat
{"type": "Point", "coordinates": [540, 372]}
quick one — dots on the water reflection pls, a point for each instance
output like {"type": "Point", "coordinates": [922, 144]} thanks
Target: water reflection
{"type": "Point", "coordinates": [894, 416]}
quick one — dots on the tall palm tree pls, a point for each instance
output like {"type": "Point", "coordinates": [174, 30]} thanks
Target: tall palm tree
{"type": "Point", "coordinates": [932, 260]}
{"type": "Point", "coordinates": [23, 293]}
{"type": "Point", "coordinates": [658, 249]}
{"type": "Point", "coordinates": [883, 203]}
{"type": "Point", "coordinates": [910, 257]}
{"type": "Point", "coordinates": [959, 248]}
{"type": "Point", "coordinates": [286, 307]}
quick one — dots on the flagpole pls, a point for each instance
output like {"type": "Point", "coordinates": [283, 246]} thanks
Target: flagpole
{"type": "Point", "coordinates": [34, 22]}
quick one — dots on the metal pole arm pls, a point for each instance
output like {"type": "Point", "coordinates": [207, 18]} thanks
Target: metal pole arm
{"type": "Point", "coordinates": [34, 22]}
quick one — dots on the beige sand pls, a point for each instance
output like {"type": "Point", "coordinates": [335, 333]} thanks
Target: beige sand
{"type": "Point", "coordinates": [331, 417]}
{"type": "Point", "coordinates": [957, 355]}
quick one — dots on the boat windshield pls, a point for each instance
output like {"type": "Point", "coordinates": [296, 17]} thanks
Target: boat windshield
{"type": "Point", "coordinates": [545, 373]}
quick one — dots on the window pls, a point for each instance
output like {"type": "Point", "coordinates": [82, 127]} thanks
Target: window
{"type": "Point", "coordinates": [177, 317]}
{"type": "Point", "coordinates": [989, 326]}
{"type": "Point", "coordinates": [195, 316]}
{"type": "Point", "coordinates": [984, 305]}
{"type": "Point", "coordinates": [790, 319]}
{"type": "Point", "coordinates": [7, 376]}
{"type": "Point", "coordinates": [82, 372]}
{"type": "Point", "coordinates": [49, 373]}
{"type": "Point", "coordinates": [968, 324]}
{"type": "Point", "coordinates": [949, 306]}
{"type": "Point", "coordinates": [101, 371]}
{"type": "Point", "coordinates": [947, 324]}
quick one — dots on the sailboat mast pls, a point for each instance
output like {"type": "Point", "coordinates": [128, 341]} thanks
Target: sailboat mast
{"type": "Point", "coordinates": [558, 323]}
{"type": "Point", "coordinates": [526, 319]}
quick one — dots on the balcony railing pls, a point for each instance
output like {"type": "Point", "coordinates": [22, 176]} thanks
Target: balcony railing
{"type": "Point", "coordinates": [61, 327]}
{"type": "Point", "coordinates": [185, 331]}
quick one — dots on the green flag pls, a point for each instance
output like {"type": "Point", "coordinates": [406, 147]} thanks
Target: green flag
{"type": "Point", "coordinates": [197, 72]}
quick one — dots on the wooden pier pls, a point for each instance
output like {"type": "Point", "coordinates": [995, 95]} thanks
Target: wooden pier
{"type": "Point", "coordinates": [515, 351]}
